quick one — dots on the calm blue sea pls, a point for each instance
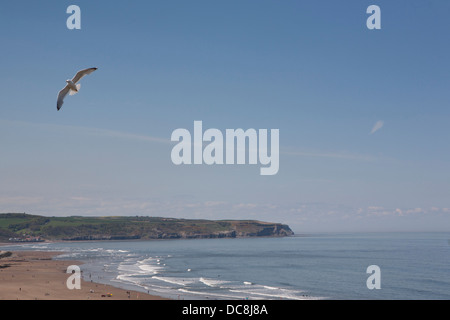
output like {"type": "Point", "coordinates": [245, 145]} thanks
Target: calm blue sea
{"type": "Point", "coordinates": [320, 266]}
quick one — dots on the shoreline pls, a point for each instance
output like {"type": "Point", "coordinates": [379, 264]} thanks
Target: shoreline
{"type": "Point", "coordinates": [35, 275]}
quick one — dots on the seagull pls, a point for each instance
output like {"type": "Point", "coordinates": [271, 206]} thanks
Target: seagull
{"type": "Point", "coordinates": [72, 87]}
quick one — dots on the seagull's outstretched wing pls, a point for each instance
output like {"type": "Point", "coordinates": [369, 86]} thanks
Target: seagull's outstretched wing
{"type": "Point", "coordinates": [82, 73]}
{"type": "Point", "coordinates": [61, 95]}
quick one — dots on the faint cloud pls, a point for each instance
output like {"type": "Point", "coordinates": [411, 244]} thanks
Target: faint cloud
{"type": "Point", "coordinates": [245, 205]}
{"type": "Point", "coordinates": [333, 155]}
{"type": "Point", "coordinates": [89, 131]}
{"type": "Point", "coordinates": [377, 126]}
{"type": "Point", "coordinates": [214, 203]}
{"type": "Point", "coordinates": [20, 201]}
{"type": "Point", "coordinates": [119, 134]}
{"type": "Point", "coordinates": [80, 198]}
{"type": "Point", "coordinates": [415, 210]}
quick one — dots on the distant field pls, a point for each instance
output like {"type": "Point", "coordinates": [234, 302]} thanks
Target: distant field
{"type": "Point", "coordinates": [19, 225]}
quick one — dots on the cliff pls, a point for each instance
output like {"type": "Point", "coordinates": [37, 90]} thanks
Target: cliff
{"type": "Point", "coordinates": [24, 227]}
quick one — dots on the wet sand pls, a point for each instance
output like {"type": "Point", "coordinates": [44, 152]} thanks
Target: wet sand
{"type": "Point", "coordinates": [33, 275]}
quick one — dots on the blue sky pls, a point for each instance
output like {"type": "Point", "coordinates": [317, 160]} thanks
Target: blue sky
{"type": "Point", "coordinates": [310, 69]}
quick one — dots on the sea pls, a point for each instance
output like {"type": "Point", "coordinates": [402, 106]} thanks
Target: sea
{"type": "Point", "coordinates": [409, 266]}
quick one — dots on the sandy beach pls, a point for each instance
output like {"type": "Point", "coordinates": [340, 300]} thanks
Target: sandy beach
{"type": "Point", "coordinates": [34, 275]}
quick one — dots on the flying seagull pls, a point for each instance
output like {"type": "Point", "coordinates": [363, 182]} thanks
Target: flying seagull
{"type": "Point", "coordinates": [72, 87]}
